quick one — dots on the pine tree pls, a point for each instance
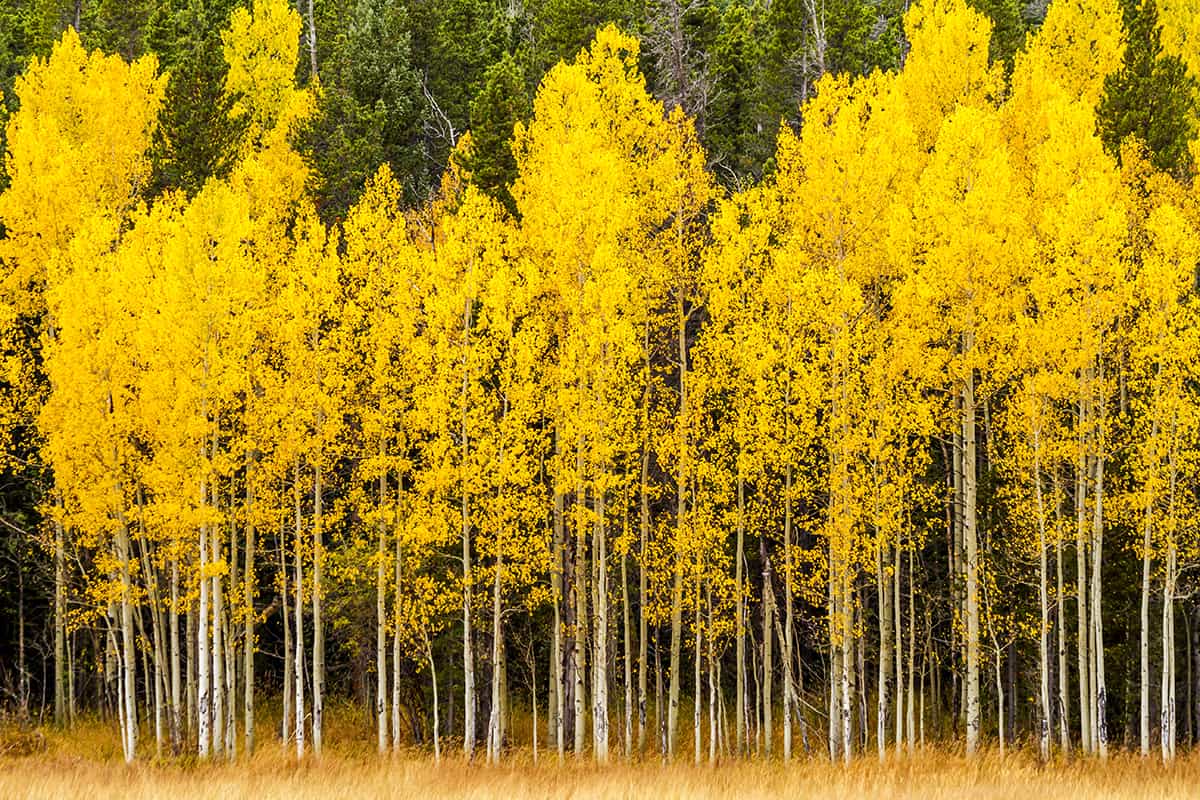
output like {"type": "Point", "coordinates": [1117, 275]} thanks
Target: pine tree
{"type": "Point", "coordinates": [1151, 98]}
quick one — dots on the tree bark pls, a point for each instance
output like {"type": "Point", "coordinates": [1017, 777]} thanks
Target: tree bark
{"type": "Point", "coordinates": [1043, 605]}
{"type": "Point", "coordinates": [627, 653]}
{"type": "Point", "coordinates": [600, 639]}
{"type": "Point", "coordinates": [1081, 595]}
{"type": "Point", "coordinates": [298, 580]}
{"type": "Point", "coordinates": [318, 653]}
{"type": "Point", "coordinates": [680, 522]}
{"type": "Point", "coordinates": [882, 697]}
{"type": "Point", "coordinates": [60, 620]}
{"type": "Point", "coordinates": [287, 725]}
{"type": "Point", "coordinates": [248, 599]}
{"type": "Point", "coordinates": [970, 543]}
{"type": "Point", "coordinates": [1101, 716]}
{"type": "Point", "coordinates": [740, 622]}
{"type": "Point", "coordinates": [381, 665]}
{"type": "Point", "coordinates": [203, 654]}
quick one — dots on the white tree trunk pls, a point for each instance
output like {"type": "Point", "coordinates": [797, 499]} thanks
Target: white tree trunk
{"type": "Point", "coordinates": [1081, 595]}
{"type": "Point", "coordinates": [203, 654]}
{"type": "Point", "coordinates": [1043, 605]}
{"type": "Point", "coordinates": [600, 660]}
{"type": "Point", "coordinates": [494, 735]}
{"type": "Point", "coordinates": [381, 665]}
{"type": "Point", "coordinates": [318, 653]}
{"type": "Point", "coordinates": [739, 623]}
{"type": "Point", "coordinates": [970, 543]}
{"type": "Point", "coordinates": [882, 697]}
{"type": "Point", "coordinates": [1101, 715]}
{"type": "Point", "coordinates": [298, 656]}
{"type": "Point", "coordinates": [248, 599]}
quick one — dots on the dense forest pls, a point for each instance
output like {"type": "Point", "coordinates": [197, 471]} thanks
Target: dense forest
{"type": "Point", "coordinates": [823, 377]}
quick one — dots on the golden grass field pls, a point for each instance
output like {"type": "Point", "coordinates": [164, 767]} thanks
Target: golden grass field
{"type": "Point", "coordinates": [87, 764]}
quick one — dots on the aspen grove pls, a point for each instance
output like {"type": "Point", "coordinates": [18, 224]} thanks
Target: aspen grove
{"type": "Point", "coordinates": [895, 445]}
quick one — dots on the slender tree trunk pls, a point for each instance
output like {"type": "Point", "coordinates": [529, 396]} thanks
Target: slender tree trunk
{"type": "Point", "coordinates": [156, 636]}
{"type": "Point", "coordinates": [249, 577]}
{"type": "Point", "coordinates": [847, 664]}
{"type": "Point", "coordinates": [626, 651]}
{"type": "Point", "coordinates": [1081, 598]}
{"type": "Point", "coordinates": [999, 698]}
{"type": "Point", "coordinates": [129, 662]}
{"type": "Point", "coordinates": [1167, 725]}
{"type": "Point", "coordinates": [697, 658]}
{"type": "Point", "coordinates": [884, 597]}
{"type": "Point", "coordinates": [912, 646]}
{"type": "Point", "coordinates": [230, 652]}
{"type": "Point", "coordinates": [680, 522]}
{"type": "Point", "coordinates": [289, 689]}
{"type": "Point", "coordinates": [712, 683]}
{"type": "Point", "coordinates": [600, 640]}
{"type": "Point", "coordinates": [557, 685]}
{"type": "Point", "coordinates": [60, 619]}
{"type": "Point", "coordinates": [970, 543]}
{"type": "Point", "coordinates": [203, 655]}
{"type": "Point", "coordinates": [381, 666]}
{"type": "Point", "coordinates": [437, 739]}
{"type": "Point", "coordinates": [298, 580]}
{"type": "Point", "coordinates": [1101, 715]}
{"type": "Point", "coordinates": [1167, 699]}
{"type": "Point", "coordinates": [739, 623]}
{"type": "Point", "coordinates": [312, 59]}
{"type": "Point", "coordinates": [218, 642]}
{"type": "Point", "coordinates": [494, 736]}
{"type": "Point", "coordinates": [1044, 606]}
{"type": "Point", "coordinates": [581, 613]}
{"type": "Point", "coordinates": [318, 668]}
{"type": "Point", "coordinates": [789, 651]}
{"type": "Point", "coordinates": [192, 636]}
{"type": "Point", "coordinates": [72, 647]}
{"type": "Point", "coordinates": [1144, 630]}
{"type": "Point", "coordinates": [643, 598]}
{"type": "Point", "coordinates": [768, 633]}
{"type": "Point", "coordinates": [173, 633]}
{"type": "Point", "coordinates": [1064, 722]}
{"type": "Point", "coordinates": [397, 574]}
{"type": "Point", "coordinates": [533, 702]}
{"type": "Point", "coordinates": [643, 547]}
{"type": "Point", "coordinates": [898, 611]}
{"type": "Point", "coordinates": [468, 652]}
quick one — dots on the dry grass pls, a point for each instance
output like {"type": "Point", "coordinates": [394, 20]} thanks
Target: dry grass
{"type": "Point", "coordinates": [87, 765]}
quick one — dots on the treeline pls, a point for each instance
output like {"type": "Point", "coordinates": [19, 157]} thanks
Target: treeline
{"type": "Point", "coordinates": [893, 445]}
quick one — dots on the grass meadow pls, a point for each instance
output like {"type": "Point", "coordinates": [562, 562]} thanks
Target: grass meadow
{"type": "Point", "coordinates": [86, 763]}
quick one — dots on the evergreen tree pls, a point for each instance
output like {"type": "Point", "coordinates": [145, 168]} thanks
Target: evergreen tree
{"type": "Point", "coordinates": [196, 139]}
{"type": "Point", "coordinates": [735, 123]}
{"type": "Point", "coordinates": [1008, 28]}
{"type": "Point", "coordinates": [1151, 97]}
{"type": "Point", "coordinates": [367, 109]}
{"type": "Point", "coordinates": [501, 104]}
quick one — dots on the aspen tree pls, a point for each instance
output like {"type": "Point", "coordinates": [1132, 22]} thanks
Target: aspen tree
{"type": "Point", "coordinates": [599, 145]}
{"type": "Point", "coordinates": [967, 216]}
{"type": "Point", "coordinates": [1165, 424]}
{"type": "Point", "coordinates": [384, 316]}
{"type": "Point", "coordinates": [1055, 86]}
{"type": "Point", "coordinates": [734, 266]}
{"type": "Point", "coordinates": [76, 150]}
{"type": "Point", "coordinates": [941, 33]}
